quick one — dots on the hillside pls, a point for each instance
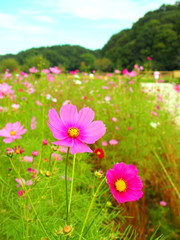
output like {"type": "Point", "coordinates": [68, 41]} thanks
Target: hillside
{"type": "Point", "coordinates": [157, 35]}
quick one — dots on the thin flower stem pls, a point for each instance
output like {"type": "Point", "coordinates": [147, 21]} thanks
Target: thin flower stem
{"type": "Point", "coordinates": [72, 182]}
{"type": "Point", "coordinates": [90, 207]}
{"type": "Point", "coordinates": [19, 176]}
{"type": "Point", "coordinates": [167, 175]}
{"type": "Point", "coordinates": [97, 215]}
{"type": "Point", "coordinates": [66, 186]}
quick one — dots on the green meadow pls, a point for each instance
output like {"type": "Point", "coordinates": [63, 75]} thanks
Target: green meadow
{"type": "Point", "coordinates": [37, 177]}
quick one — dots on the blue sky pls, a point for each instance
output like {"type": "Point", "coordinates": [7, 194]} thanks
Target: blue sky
{"type": "Point", "coordinates": [26, 24]}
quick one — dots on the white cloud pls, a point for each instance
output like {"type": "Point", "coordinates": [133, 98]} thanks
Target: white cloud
{"type": "Point", "coordinates": [16, 24]}
{"type": "Point", "coordinates": [29, 12]}
{"type": "Point", "coordinates": [44, 18]}
{"type": "Point", "coordinates": [104, 9]}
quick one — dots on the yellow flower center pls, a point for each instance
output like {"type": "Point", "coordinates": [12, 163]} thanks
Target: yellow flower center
{"type": "Point", "coordinates": [121, 185]}
{"type": "Point", "coordinates": [17, 151]}
{"type": "Point", "coordinates": [73, 132]}
{"type": "Point", "coordinates": [98, 153]}
{"type": "Point", "coordinates": [13, 133]}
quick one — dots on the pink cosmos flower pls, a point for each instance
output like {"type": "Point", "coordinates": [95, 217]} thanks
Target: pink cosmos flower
{"type": "Point", "coordinates": [104, 143]}
{"type": "Point", "coordinates": [105, 87]}
{"type": "Point", "coordinates": [56, 156]}
{"type": "Point", "coordinates": [125, 71]}
{"type": "Point", "coordinates": [27, 159]}
{"type": "Point", "coordinates": [22, 182]}
{"type": "Point", "coordinates": [15, 106]}
{"type": "Point", "coordinates": [114, 119]}
{"type": "Point", "coordinates": [33, 123]}
{"type": "Point", "coordinates": [163, 203]}
{"type": "Point", "coordinates": [73, 129]}
{"type": "Point", "coordinates": [177, 88]}
{"type": "Point", "coordinates": [12, 131]}
{"type": "Point", "coordinates": [35, 153]}
{"type": "Point", "coordinates": [45, 142]}
{"type": "Point", "coordinates": [50, 77]}
{"type": "Point", "coordinates": [117, 71]}
{"type": "Point", "coordinates": [107, 98]}
{"type": "Point", "coordinates": [33, 70]}
{"type": "Point", "coordinates": [159, 97]}
{"type": "Point", "coordinates": [124, 182]}
{"type": "Point", "coordinates": [5, 90]}
{"type": "Point", "coordinates": [113, 142]}
{"type": "Point", "coordinates": [45, 71]}
{"type": "Point", "coordinates": [63, 149]}
{"type": "Point", "coordinates": [7, 76]}
{"type": "Point", "coordinates": [38, 103]}
{"type": "Point", "coordinates": [55, 70]}
{"type": "Point", "coordinates": [132, 73]}
{"type": "Point", "coordinates": [131, 89]}
{"type": "Point", "coordinates": [20, 192]}
{"type": "Point", "coordinates": [154, 113]}
{"type": "Point", "coordinates": [149, 58]}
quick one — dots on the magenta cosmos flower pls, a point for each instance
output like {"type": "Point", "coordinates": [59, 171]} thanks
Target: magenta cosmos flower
{"type": "Point", "coordinates": [125, 185]}
{"type": "Point", "coordinates": [73, 129]}
{"type": "Point", "coordinates": [12, 131]}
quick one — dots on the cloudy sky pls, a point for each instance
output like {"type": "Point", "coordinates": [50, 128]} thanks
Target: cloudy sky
{"type": "Point", "coordinates": [90, 23]}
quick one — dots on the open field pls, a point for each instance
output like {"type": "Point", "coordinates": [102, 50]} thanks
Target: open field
{"type": "Point", "coordinates": [62, 191]}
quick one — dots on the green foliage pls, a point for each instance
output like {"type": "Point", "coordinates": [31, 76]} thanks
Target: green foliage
{"type": "Point", "coordinates": [87, 63]}
{"type": "Point", "coordinates": [103, 64]}
{"type": "Point", "coordinates": [156, 35]}
{"type": "Point", "coordinates": [8, 63]}
{"type": "Point", "coordinates": [37, 61]}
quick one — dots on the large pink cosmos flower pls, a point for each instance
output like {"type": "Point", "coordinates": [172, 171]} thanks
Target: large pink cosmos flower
{"type": "Point", "coordinates": [73, 129]}
{"type": "Point", "coordinates": [125, 185]}
{"type": "Point", "coordinates": [12, 131]}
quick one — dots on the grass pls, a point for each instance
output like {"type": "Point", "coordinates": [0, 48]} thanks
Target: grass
{"type": "Point", "coordinates": [40, 213]}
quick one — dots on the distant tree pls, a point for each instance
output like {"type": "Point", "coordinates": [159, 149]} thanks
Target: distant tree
{"type": "Point", "coordinates": [8, 63]}
{"type": "Point", "coordinates": [103, 64]}
{"type": "Point", "coordinates": [38, 61]}
{"type": "Point", "coordinates": [157, 34]}
{"type": "Point", "coordinates": [88, 60]}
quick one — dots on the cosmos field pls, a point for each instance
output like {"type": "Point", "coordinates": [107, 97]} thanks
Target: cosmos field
{"type": "Point", "coordinates": [89, 156]}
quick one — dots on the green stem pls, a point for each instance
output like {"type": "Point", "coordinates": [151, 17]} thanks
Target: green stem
{"type": "Point", "coordinates": [89, 209]}
{"type": "Point", "coordinates": [167, 175]}
{"type": "Point", "coordinates": [97, 215]}
{"type": "Point", "coordinates": [12, 164]}
{"type": "Point", "coordinates": [72, 182]}
{"type": "Point", "coordinates": [66, 185]}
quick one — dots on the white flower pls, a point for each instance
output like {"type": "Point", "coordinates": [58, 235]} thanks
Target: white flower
{"type": "Point", "coordinates": [154, 125]}
{"type": "Point", "coordinates": [54, 100]}
{"type": "Point", "coordinates": [77, 82]}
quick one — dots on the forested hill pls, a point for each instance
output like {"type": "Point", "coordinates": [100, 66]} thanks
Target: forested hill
{"type": "Point", "coordinates": [157, 35]}
{"type": "Point", "coordinates": [68, 56]}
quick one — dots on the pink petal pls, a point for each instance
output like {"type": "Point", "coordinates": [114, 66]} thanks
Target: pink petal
{"type": "Point", "coordinates": [58, 133]}
{"type": "Point", "coordinates": [69, 115]}
{"type": "Point", "coordinates": [128, 196]}
{"type": "Point", "coordinates": [135, 183]}
{"type": "Point", "coordinates": [86, 116]}
{"type": "Point", "coordinates": [29, 182]}
{"type": "Point", "coordinates": [9, 127]}
{"type": "Point", "coordinates": [8, 140]}
{"type": "Point", "coordinates": [16, 126]}
{"type": "Point", "coordinates": [4, 133]}
{"type": "Point", "coordinates": [54, 119]}
{"type": "Point", "coordinates": [79, 147]}
{"type": "Point", "coordinates": [68, 142]}
{"type": "Point", "coordinates": [92, 132]}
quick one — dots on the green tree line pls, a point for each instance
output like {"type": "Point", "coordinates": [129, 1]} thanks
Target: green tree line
{"type": "Point", "coordinates": [157, 35]}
